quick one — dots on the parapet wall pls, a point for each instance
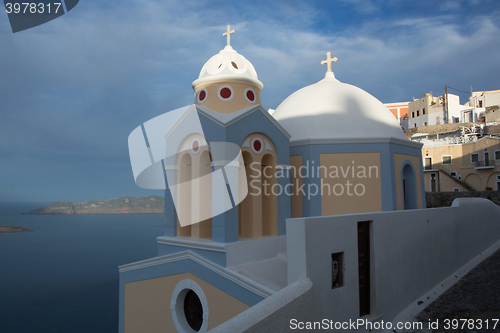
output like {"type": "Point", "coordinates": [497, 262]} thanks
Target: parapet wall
{"type": "Point", "coordinates": [445, 199]}
{"type": "Point", "coordinates": [414, 256]}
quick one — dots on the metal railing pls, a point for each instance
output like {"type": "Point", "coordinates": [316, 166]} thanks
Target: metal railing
{"type": "Point", "coordinates": [485, 163]}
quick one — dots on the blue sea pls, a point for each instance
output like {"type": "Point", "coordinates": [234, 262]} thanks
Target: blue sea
{"type": "Point", "coordinates": [63, 276]}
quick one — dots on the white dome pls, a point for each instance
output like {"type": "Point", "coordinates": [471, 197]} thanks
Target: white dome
{"type": "Point", "coordinates": [228, 65]}
{"type": "Point", "coordinates": [331, 109]}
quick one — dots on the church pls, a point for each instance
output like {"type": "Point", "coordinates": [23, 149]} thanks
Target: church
{"type": "Point", "coordinates": [273, 219]}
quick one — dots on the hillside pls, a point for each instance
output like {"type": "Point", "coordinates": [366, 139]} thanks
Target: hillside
{"type": "Point", "coordinates": [125, 205]}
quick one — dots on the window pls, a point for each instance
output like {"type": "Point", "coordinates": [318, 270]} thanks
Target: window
{"type": "Point", "coordinates": [428, 163]}
{"type": "Point", "coordinates": [433, 182]}
{"type": "Point", "coordinates": [425, 123]}
{"type": "Point", "coordinates": [190, 308]}
{"type": "Point", "coordinates": [486, 156]}
{"type": "Point", "coordinates": [446, 159]}
{"type": "Point", "coordinates": [423, 111]}
{"type": "Point", "coordinates": [453, 173]}
{"type": "Point", "coordinates": [474, 157]}
{"type": "Point", "coordinates": [497, 155]}
{"type": "Point", "coordinates": [456, 189]}
{"type": "Point", "coordinates": [418, 113]}
{"type": "Point", "coordinates": [413, 114]}
{"type": "Point", "coordinates": [414, 125]}
{"type": "Point", "coordinates": [337, 270]}
{"type": "Point", "coordinates": [480, 104]}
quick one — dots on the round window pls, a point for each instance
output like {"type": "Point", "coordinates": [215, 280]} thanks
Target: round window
{"type": "Point", "coordinates": [189, 308]}
{"type": "Point", "coordinates": [193, 310]}
{"type": "Point", "coordinates": [250, 95]}
{"type": "Point", "coordinates": [257, 145]}
{"type": "Point", "coordinates": [202, 95]}
{"type": "Point", "coordinates": [225, 93]}
{"type": "Point", "coordinates": [195, 146]}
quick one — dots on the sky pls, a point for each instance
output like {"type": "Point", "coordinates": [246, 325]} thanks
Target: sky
{"type": "Point", "coordinates": [73, 89]}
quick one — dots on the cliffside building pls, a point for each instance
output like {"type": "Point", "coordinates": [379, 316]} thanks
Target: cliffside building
{"type": "Point", "coordinates": [461, 160]}
{"type": "Point", "coordinates": [400, 111]}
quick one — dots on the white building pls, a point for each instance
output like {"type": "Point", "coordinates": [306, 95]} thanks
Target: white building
{"type": "Point", "coordinates": [431, 110]}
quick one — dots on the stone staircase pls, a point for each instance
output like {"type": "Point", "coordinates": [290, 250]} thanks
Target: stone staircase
{"type": "Point", "coordinates": [456, 180]}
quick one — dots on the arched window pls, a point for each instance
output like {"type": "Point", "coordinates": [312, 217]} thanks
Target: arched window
{"type": "Point", "coordinates": [258, 212]}
{"type": "Point", "coordinates": [245, 208]}
{"type": "Point", "coordinates": [194, 188]}
{"type": "Point", "coordinates": [184, 172]}
{"type": "Point", "coordinates": [269, 196]}
{"type": "Point", "coordinates": [409, 186]}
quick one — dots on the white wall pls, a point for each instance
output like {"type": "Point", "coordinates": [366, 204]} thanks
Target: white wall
{"type": "Point", "coordinates": [412, 252]}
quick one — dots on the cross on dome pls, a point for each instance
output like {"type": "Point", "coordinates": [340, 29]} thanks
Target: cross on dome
{"type": "Point", "coordinates": [228, 34]}
{"type": "Point", "coordinates": [329, 61]}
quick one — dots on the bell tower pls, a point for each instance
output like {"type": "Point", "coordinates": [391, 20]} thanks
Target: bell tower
{"type": "Point", "coordinates": [227, 82]}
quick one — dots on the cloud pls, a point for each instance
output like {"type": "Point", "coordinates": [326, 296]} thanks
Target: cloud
{"type": "Point", "coordinates": [73, 96]}
{"type": "Point", "coordinates": [449, 6]}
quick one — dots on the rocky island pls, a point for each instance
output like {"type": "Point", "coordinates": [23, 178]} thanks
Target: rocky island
{"type": "Point", "coordinates": [152, 204]}
{"type": "Point", "coordinates": [6, 229]}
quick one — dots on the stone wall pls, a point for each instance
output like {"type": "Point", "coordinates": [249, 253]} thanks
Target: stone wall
{"type": "Point", "coordinates": [445, 199]}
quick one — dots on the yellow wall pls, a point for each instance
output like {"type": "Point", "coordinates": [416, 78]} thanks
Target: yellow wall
{"type": "Point", "coordinates": [398, 162]}
{"type": "Point", "coordinates": [478, 178]}
{"type": "Point", "coordinates": [334, 204]}
{"type": "Point", "coordinates": [147, 304]}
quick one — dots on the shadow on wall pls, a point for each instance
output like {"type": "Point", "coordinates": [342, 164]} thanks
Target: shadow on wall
{"type": "Point", "coordinates": [348, 125]}
{"type": "Point", "coordinates": [445, 199]}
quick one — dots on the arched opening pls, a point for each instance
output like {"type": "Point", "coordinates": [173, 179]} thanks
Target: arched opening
{"type": "Point", "coordinates": [409, 184]}
{"type": "Point", "coordinates": [245, 208]}
{"type": "Point", "coordinates": [202, 191]}
{"type": "Point", "coordinates": [194, 188]}
{"type": "Point", "coordinates": [184, 194]}
{"type": "Point", "coordinates": [258, 212]}
{"type": "Point", "coordinates": [270, 192]}
{"type": "Point", "coordinates": [475, 181]}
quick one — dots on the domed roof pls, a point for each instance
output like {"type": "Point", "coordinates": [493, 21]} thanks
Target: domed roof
{"type": "Point", "coordinates": [228, 65]}
{"type": "Point", "coordinates": [331, 109]}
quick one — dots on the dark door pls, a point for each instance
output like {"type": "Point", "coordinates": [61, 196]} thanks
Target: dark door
{"type": "Point", "coordinates": [405, 203]}
{"type": "Point", "coordinates": [433, 182]}
{"type": "Point", "coordinates": [364, 267]}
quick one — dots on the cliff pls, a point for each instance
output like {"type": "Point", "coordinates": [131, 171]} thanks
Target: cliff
{"type": "Point", "coordinates": [125, 205]}
{"type": "Point", "coordinates": [7, 230]}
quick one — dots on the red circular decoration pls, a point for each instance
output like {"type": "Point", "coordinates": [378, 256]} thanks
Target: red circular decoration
{"type": "Point", "coordinates": [250, 95]}
{"type": "Point", "coordinates": [225, 93]}
{"type": "Point", "coordinates": [196, 146]}
{"type": "Point", "coordinates": [257, 145]}
{"type": "Point", "coordinates": [202, 95]}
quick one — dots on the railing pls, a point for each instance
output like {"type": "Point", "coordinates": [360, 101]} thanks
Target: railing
{"type": "Point", "coordinates": [485, 164]}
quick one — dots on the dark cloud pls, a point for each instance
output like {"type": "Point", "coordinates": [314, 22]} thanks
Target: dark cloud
{"type": "Point", "coordinates": [73, 89]}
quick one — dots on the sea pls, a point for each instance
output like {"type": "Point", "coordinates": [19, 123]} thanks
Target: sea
{"type": "Point", "coordinates": [63, 276]}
